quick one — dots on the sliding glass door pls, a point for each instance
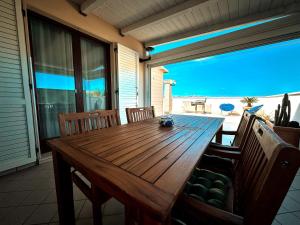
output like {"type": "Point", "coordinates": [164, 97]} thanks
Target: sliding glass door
{"type": "Point", "coordinates": [94, 71]}
{"type": "Point", "coordinates": [71, 73]}
{"type": "Point", "coordinates": [54, 75]}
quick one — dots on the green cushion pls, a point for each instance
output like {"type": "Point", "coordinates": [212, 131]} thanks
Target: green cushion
{"type": "Point", "coordinates": [209, 187]}
{"type": "Point", "coordinates": [216, 160]}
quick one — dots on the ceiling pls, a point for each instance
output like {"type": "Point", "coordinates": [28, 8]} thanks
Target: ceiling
{"type": "Point", "coordinates": [155, 22]}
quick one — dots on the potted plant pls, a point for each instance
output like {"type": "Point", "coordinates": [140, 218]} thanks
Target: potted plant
{"type": "Point", "coordinates": [249, 101]}
{"type": "Point", "coordinates": [286, 129]}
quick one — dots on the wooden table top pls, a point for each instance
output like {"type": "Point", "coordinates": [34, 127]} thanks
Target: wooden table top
{"type": "Point", "coordinates": [141, 164]}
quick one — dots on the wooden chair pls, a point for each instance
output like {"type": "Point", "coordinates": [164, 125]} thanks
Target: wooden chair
{"type": "Point", "coordinates": [218, 164]}
{"type": "Point", "coordinates": [79, 123]}
{"type": "Point", "coordinates": [241, 132]}
{"type": "Point", "coordinates": [84, 122]}
{"type": "Point", "coordinates": [139, 114]}
{"type": "Point", "coordinates": [262, 176]}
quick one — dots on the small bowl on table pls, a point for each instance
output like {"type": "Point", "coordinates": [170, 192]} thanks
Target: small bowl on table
{"type": "Point", "coordinates": [166, 121]}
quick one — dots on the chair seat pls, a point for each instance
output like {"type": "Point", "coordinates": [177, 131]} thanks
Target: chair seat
{"type": "Point", "coordinates": [217, 164]}
{"type": "Point", "coordinates": [208, 187]}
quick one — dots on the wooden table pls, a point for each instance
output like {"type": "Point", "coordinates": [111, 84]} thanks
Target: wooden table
{"type": "Point", "coordinates": [141, 164]}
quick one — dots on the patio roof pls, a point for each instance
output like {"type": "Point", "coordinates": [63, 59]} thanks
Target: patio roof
{"type": "Point", "coordinates": [157, 22]}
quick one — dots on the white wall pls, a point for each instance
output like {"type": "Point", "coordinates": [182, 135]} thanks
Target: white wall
{"type": "Point", "coordinates": [157, 90]}
{"type": "Point", "coordinates": [212, 104]}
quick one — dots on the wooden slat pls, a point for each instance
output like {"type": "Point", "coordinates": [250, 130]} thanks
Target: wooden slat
{"type": "Point", "coordinates": [143, 146]}
{"type": "Point", "coordinates": [156, 171]}
{"type": "Point", "coordinates": [244, 6]}
{"type": "Point", "coordinates": [156, 151]}
{"type": "Point", "coordinates": [175, 149]}
{"type": "Point", "coordinates": [233, 8]}
{"type": "Point", "coordinates": [224, 9]}
{"type": "Point", "coordinates": [7, 20]}
{"type": "Point", "coordinates": [8, 36]}
{"type": "Point", "coordinates": [21, 153]}
{"type": "Point", "coordinates": [187, 160]}
{"type": "Point", "coordinates": [7, 6]}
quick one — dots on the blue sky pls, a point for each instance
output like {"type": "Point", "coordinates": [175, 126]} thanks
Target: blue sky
{"type": "Point", "coordinates": [63, 82]}
{"type": "Point", "coordinates": [261, 71]}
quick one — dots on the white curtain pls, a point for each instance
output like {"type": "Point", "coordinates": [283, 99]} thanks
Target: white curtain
{"type": "Point", "coordinates": [93, 74]}
{"type": "Point", "coordinates": [54, 74]}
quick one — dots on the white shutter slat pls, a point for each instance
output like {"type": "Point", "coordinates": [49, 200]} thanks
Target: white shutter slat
{"type": "Point", "coordinates": [127, 80]}
{"type": "Point", "coordinates": [17, 146]}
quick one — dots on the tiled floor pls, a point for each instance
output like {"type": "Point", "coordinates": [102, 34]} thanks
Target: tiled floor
{"type": "Point", "coordinates": [28, 197]}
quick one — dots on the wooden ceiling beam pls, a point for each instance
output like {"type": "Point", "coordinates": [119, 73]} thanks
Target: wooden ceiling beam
{"type": "Point", "coordinates": [277, 30]}
{"type": "Point", "coordinates": [161, 16]}
{"type": "Point", "coordinates": [231, 23]}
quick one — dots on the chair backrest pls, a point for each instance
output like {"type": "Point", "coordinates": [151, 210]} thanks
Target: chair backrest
{"type": "Point", "coordinates": [84, 122]}
{"type": "Point", "coordinates": [263, 174]}
{"type": "Point", "coordinates": [139, 114]}
{"type": "Point", "coordinates": [243, 128]}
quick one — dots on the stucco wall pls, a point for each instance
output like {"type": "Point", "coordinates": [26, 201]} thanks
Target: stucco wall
{"type": "Point", "coordinates": [157, 89]}
{"type": "Point", "coordinates": [68, 14]}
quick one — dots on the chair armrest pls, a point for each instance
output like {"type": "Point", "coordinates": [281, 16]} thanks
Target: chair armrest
{"type": "Point", "coordinates": [213, 145]}
{"type": "Point", "coordinates": [229, 132]}
{"type": "Point", "coordinates": [199, 209]}
{"type": "Point", "coordinates": [82, 185]}
{"type": "Point", "coordinates": [232, 154]}
{"type": "Point", "coordinates": [223, 147]}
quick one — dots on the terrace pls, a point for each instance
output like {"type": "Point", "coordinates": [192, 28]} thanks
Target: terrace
{"type": "Point", "coordinates": [89, 57]}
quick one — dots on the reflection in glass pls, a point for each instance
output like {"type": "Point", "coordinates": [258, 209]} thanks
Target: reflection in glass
{"type": "Point", "coordinates": [93, 75]}
{"type": "Point", "coordinates": [54, 74]}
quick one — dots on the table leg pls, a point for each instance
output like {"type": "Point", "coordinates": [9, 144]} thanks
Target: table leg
{"type": "Point", "coordinates": [147, 220]}
{"type": "Point", "coordinates": [64, 190]}
{"type": "Point", "coordinates": [219, 135]}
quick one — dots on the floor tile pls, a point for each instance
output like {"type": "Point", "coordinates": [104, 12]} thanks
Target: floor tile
{"type": "Point", "coordinates": [296, 183]}
{"type": "Point", "coordinates": [13, 198]}
{"type": "Point", "coordinates": [43, 214]}
{"type": "Point", "coordinates": [275, 222]}
{"type": "Point", "coordinates": [78, 195]}
{"type": "Point", "coordinates": [51, 198]}
{"type": "Point", "coordinates": [88, 221]}
{"type": "Point", "coordinates": [36, 197]}
{"type": "Point", "coordinates": [5, 211]}
{"type": "Point", "coordinates": [78, 207]}
{"type": "Point", "coordinates": [18, 215]}
{"type": "Point", "coordinates": [282, 210]}
{"type": "Point", "coordinates": [295, 195]}
{"type": "Point", "coordinates": [290, 204]}
{"type": "Point", "coordinates": [288, 219]}
{"type": "Point", "coordinates": [113, 220]}
{"type": "Point", "coordinates": [297, 214]}
{"type": "Point", "coordinates": [113, 207]}
{"type": "Point", "coordinates": [86, 211]}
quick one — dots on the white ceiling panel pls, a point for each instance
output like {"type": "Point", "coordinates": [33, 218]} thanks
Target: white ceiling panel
{"type": "Point", "coordinates": [151, 21]}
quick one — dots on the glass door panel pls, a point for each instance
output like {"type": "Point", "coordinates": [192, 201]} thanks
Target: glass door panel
{"type": "Point", "coordinates": [54, 74]}
{"type": "Point", "coordinates": [94, 69]}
